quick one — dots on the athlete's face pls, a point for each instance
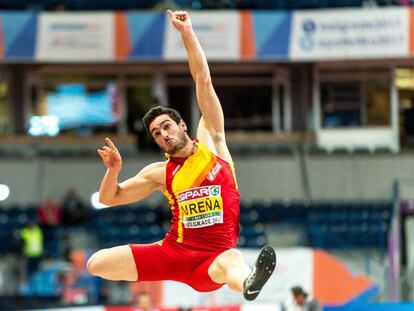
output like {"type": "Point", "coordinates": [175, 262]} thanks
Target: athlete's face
{"type": "Point", "coordinates": [169, 136]}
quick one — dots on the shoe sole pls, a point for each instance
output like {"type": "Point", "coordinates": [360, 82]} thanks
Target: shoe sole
{"type": "Point", "coordinates": [265, 265]}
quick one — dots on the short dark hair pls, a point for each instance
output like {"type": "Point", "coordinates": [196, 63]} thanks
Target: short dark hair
{"type": "Point", "coordinates": [297, 290]}
{"type": "Point", "coordinates": [157, 111]}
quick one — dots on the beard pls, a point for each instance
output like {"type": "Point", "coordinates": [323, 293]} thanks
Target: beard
{"type": "Point", "coordinates": [183, 140]}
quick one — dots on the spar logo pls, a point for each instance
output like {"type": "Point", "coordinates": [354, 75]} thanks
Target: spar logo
{"type": "Point", "coordinates": [199, 193]}
{"type": "Point", "coordinates": [215, 191]}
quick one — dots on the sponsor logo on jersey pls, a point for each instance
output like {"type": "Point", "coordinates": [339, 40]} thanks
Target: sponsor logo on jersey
{"type": "Point", "coordinates": [198, 193]}
{"type": "Point", "coordinates": [201, 207]}
{"type": "Point", "coordinates": [213, 173]}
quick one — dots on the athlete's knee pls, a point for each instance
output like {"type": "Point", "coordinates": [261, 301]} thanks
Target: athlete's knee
{"type": "Point", "coordinates": [95, 264]}
{"type": "Point", "coordinates": [231, 257]}
{"type": "Point", "coordinates": [233, 254]}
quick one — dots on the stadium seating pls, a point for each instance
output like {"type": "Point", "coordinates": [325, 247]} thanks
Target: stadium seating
{"type": "Point", "coordinates": [344, 225]}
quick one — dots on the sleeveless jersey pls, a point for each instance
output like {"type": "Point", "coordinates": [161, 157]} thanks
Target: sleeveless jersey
{"type": "Point", "coordinates": [204, 199]}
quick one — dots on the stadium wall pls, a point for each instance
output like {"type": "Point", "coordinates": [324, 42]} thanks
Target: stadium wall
{"type": "Point", "coordinates": [340, 177]}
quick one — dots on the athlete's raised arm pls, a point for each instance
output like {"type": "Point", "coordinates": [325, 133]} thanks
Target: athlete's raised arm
{"type": "Point", "coordinates": [149, 179]}
{"type": "Point", "coordinates": [211, 128]}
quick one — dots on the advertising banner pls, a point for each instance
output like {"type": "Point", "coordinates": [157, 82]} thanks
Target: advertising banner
{"type": "Point", "coordinates": [349, 34]}
{"type": "Point", "coordinates": [294, 267]}
{"type": "Point", "coordinates": [75, 37]}
{"type": "Point", "coordinates": [218, 33]}
{"type": "Point", "coordinates": [316, 271]}
{"type": "Point", "coordinates": [224, 35]}
{"type": "Point", "coordinates": [17, 35]}
{"type": "Point", "coordinates": [139, 35]}
{"type": "Point", "coordinates": [265, 34]}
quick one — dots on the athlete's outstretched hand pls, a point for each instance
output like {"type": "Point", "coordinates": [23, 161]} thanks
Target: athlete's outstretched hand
{"type": "Point", "coordinates": [180, 20]}
{"type": "Point", "coordinates": [110, 156]}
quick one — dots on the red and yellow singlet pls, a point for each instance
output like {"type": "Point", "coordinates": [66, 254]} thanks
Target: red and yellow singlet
{"type": "Point", "coordinates": [204, 199]}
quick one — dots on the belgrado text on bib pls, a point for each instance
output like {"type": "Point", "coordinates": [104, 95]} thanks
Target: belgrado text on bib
{"type": "Point", "coordinates": [201, 206]}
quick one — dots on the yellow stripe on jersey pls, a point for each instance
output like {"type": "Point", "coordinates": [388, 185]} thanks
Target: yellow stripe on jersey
{"type": "Point", "coordinates": [194, 171]}
{"type": "Point", "coordinates": [180, 237]}
{"type": "Point", "coordinates": [169, 198]}
{"type": "Point", "coordinates": [234, 174]}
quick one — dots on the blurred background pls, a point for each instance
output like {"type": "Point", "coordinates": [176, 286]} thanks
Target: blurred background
{"type": "Point", "coordinates": [318, 97]}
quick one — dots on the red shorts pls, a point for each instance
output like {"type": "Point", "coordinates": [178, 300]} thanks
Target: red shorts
{"type": "Point", "coordinates": [157, 262]}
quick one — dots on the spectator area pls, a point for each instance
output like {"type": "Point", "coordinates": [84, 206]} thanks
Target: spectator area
{"type": "Point", "coordinates": [328, 225]}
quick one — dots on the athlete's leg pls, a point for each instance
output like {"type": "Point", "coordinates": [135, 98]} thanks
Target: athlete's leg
{"type": "Point", "coordinates": [230, 268]}
{"type": "Point", "coordinates": [114, 264]}
{"type": "Point", "coordinates": [263, 269]}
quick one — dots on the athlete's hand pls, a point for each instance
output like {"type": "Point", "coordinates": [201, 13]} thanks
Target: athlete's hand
{"type": "Point", "coordinates": [111, 156]}
{"type": "Point", "coordinates": [180, 20]}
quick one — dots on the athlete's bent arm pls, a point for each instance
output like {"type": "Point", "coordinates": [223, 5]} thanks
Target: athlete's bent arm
{"type": "Point", "coordinates": [133, 189]}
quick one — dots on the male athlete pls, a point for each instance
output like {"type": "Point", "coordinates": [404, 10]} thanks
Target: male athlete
{"type": "Point", "coordinates": [198, 179]}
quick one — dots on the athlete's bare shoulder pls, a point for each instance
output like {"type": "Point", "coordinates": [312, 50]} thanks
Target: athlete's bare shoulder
{"type": "Point", "coordinates": [155, 172]}
{"type": "Point", "coordinates": [154, 165]}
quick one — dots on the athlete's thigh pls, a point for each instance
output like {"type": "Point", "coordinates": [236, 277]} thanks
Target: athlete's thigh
{"type": "Point", "coordinates": [159, 261]}
{"type": "Point", "coordinates": [115, 263]}
{"type": "Point", "coordinates": [200, 278]}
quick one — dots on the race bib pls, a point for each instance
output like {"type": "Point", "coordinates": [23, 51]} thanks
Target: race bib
{"type": "Point", "coordinates": [201, 207]}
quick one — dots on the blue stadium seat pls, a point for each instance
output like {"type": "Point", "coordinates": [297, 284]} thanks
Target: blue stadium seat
{"type": "Point", "coordinates": [43, 283]}
{"type": "Point", "coordinates": [241, 242]}
{"type": "Point", "coordinates": [256, 242]}
{"type": "Point", "coordinates": [249, 217]}
{"type": "Point", "coordinates": [253, 230]}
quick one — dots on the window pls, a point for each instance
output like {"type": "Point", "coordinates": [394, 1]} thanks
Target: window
{"type": "Point", "coordinates": [246, 107]}
{"type": "Point", "coordinates": [355, 99]}
{"type": "Point", "coordinates": [5, 114]}
{"type": "Point", "coordinates": [340, 104]}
